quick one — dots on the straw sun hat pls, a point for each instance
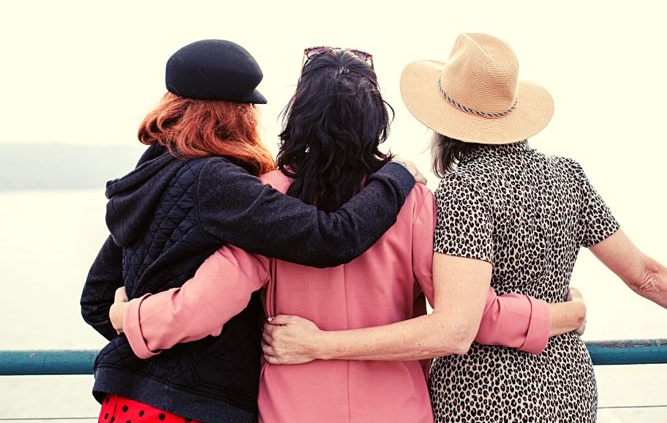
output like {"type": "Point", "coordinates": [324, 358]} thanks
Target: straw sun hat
{"type": "Point", "coordinates": [476, 95]}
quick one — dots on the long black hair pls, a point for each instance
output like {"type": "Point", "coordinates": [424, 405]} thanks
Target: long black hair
{"type": "Point", "coordinates": [332, 128]}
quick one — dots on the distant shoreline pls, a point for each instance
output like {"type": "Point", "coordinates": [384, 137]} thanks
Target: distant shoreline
{"type": "Point", "coordinates": [58, 165]}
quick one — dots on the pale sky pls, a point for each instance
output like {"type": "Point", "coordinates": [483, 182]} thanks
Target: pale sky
{"type": "Point", "coordinates": [88, 71]}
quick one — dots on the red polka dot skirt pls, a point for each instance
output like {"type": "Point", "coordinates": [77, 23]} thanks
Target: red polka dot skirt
{"type": "Point", "coordinates": [117, 409]}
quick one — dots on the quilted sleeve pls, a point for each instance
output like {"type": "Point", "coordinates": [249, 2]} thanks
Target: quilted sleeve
{"type": "Point", "coordinates": [104, 277]}
{"type": "Point", "coordinates": [236, 208]}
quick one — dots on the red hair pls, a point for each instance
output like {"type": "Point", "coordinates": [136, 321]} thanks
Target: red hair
{"type": "Point", "coordinates": [191, 128]}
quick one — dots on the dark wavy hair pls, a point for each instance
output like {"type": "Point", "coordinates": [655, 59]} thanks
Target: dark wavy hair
{"type": "Point", "coordinates": [447, 153]}
{"type": "Point", "coordinates": [332, 128]}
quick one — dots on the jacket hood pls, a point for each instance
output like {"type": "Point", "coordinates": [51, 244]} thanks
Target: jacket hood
{"type": "Point", "coordinates": [133, 197]}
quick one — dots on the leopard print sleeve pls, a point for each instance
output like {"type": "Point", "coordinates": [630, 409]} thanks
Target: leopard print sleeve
{"type": "Point", "coordinates": [464, 225]}
{"type": "Point", "coordinates": [596, 221]}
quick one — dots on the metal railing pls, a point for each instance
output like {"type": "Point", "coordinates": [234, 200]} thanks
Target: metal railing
{"type": "Point", "coordinates": [46, 362]}
{"type": "Point", "coordinates": [80, 362]}
{"type": "Point", "coordinates": [77, 362]}
{"type": "Point", "coordinates": [632, 351]}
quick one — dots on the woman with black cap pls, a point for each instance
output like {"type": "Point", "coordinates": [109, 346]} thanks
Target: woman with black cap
{"type": "Point", "coordinates": [195, 189]}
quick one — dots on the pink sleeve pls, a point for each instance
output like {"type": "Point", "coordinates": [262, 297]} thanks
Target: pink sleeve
{"type": "Point", "coordinates": [220, 289]}
{"type": "Point", "coordinates": [515, 321]}
{"type": "Point", "coordinates": [423, 229]}
{"type": "Point", "coordinates": [132, 329]}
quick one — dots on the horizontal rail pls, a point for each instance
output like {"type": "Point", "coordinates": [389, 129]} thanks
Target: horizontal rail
{"type": "Point", "coordinates": [632, 351]}
{"type": "Point", "coordinates": [78, 362]}
{"type": "Point", "coordinates": [46, 362]}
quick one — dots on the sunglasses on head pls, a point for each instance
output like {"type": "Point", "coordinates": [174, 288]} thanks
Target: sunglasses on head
{"type": "Point", "coordinates": [311, 52]}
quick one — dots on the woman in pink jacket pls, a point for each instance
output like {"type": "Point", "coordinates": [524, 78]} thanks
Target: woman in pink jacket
{"type": "Point", "coordinates": [330, 143]}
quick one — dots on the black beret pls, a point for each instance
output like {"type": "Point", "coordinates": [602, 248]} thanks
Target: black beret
{"type": "Point", "coordinates": [214, 70]}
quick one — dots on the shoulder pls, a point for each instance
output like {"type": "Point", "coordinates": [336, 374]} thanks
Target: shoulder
{"type": "Point", "coordinates": [566, 161]}
{"type": "Point", "coordinates": [213, 162]}
{"type": "Point", "coordinates": [218, 170]}
{"type": "Point", "coordinates": [459, 179]}
{"type": "Point", "coordinates": [420, 193]}
{"type": "Point", "coordinates": [572, 166]}
{"type": "Point", "coordinates": [419, 200]}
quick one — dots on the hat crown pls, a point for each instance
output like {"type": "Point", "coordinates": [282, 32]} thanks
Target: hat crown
{"type": "Point", "coordinates": [481, 75]}
{"type": "Point", "coordinates": [476, 95]}
{"type": "Point", "coordinates": [214, 70]}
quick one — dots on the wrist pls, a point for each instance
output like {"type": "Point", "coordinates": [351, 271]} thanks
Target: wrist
{"type": "Point", "coordinates": [578, 314]}
{"type": "Point", "coordinates": [116, 313]}
{"type": "Point", "coordinates": [567, 316]}
{"type": "Point", "coordinates": [581, 312]}
{"type": "Point", "coordinates": [321, 346]}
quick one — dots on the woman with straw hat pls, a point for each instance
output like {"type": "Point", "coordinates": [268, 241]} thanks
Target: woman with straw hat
{"type": "Point", "coordinates": [509, 217]}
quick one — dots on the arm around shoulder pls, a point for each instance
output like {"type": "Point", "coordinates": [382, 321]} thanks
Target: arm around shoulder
{"type": "Point", "coordinates": [236, 208]}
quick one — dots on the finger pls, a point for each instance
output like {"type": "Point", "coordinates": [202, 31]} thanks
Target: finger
{"type": "Point", "coordinates": [271, 359]}
{"type": "Point", "coordinates": [269, 354]}
{"type": "Point", "coordinates": [279, 320]}
{"type": "Point", "coordinates": [119, 295]}
{"type": "Point", "coordinates": [267, 338]}
{"type": "Point", "coordinates": [114, 315]}
{"type": "Point", "coordinates": [266, 349]}
{"type": "Point", "coordinates": [270, 328]}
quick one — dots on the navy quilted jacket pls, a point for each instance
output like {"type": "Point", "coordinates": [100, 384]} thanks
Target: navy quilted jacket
{"type": "Point", "coordinates": [165, 218]}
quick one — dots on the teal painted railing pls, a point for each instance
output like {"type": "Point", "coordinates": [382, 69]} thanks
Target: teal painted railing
{"type": "Point", "coordinates": [46, 362]}
{"type": "Point", "coordinates": [637, 351]}
{"type": "Point", "coordinates": [80, 362]}
{"type": "Point", "coordinates": [77, 362]}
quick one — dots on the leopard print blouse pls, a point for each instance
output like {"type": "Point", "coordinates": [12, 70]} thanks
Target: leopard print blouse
{"type": "Point", "coordinates": [528, 214]}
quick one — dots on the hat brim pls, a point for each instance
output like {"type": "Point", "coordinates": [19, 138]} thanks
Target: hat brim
{"type": "Point", "coordinates": [255, 98]}
{"type": "Point", "coordinates": [421, 95]}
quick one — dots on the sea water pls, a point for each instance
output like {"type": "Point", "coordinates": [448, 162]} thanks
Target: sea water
{"type": "Point", "coordinates": [48, 240]}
